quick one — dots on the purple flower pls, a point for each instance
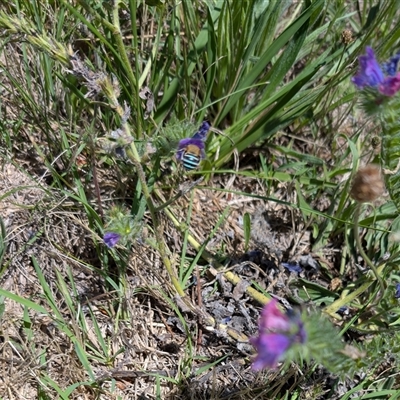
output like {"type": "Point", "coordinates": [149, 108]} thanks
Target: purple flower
{"type": "Point", "coordinates": [202, 132]}
{"type": "Point", "coordinates": [277, 332]}
{"type": "Point", "coordinates": [372, 74]}
{"type": "Point", "coordinates": [390, 85]}
{"type": "Point", "coordinates": [111, 238]}
{"type": "Point", "coordinates": [390, 67]}
{"type": "Point", "coordinates": [270, 349]}
{"type": "Point", "coordinates": [292, 267]}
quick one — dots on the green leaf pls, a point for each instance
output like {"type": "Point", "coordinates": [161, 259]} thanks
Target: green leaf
{"type": "Point", "coordinates": [296, 34]}
{"type": "Point", "coordinates": [312, 291]}
{"type": "Point", "coordinates": [390, 150]}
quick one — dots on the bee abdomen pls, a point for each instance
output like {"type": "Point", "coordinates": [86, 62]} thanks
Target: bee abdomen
{"type": "Point", "coordinates": [190, 161]}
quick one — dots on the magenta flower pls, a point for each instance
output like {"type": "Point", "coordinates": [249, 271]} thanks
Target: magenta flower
{"type": "Point", "coordinates": [111, 239]}
{"type": "Point", "coordinates": [277, 332]}
{"type": "Point", "coordinates": [372, 74]}
{"type": "Point", "coordinates": [390, 85]}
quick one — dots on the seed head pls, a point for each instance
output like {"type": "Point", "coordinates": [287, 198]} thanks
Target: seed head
{"type": "Point", "coordinates": [347, 36]}
{"type": "Point", "coordinates": [367, 184]}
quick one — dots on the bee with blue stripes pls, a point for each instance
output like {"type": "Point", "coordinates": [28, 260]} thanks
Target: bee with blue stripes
{"type": "Point", "coordinates": [191, 150]}
{"type": "Point", "coordinates": [191, 157]}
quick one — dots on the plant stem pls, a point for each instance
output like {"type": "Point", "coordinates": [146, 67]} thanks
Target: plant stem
{"type": "Point", "coordinates": [134, 157]}
{"type": "Point", "coordinates": [361, 250]}
{"type": "Point", "coordinates": [122, 51]}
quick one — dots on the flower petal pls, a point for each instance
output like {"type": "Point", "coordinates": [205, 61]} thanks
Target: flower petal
{"type": "Point", "coordinates": [370, 72]}
{"type": "Point", "coordinates": [202, 132]}
{"type": "Point", "coordinates": [397, 294]}
{"type": "Point", "coordinates": [390, 85]}
{"type": "Point", "coordinates": [111, 238]}
{"type": "Point", "coordinates": [390, 67]}
{"type": "Point", "coordinates": [273, 319]}
{"type": "Point", "coordinates": [270, 348]}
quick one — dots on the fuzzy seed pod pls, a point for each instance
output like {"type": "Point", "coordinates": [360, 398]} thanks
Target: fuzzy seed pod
{"type": "Point", "coordinates": [347, 36]}
{"type": "Point", "coordinates": [367, 184]}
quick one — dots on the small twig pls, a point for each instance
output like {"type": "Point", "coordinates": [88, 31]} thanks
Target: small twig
{"type": "Point", "coordinates": [182, 192]}
{"type": "Point", "coordinates": [200, 304]}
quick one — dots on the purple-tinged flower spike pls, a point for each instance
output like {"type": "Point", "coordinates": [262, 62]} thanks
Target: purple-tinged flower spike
{"type": "Point", "coordinates": [203, 131]}
{"type": "Point", "coordinates": [370, 72]}
{"type": "Point", "coordinates": [277, 332]}
{"type": "Point", "coordinates": [111, 239]}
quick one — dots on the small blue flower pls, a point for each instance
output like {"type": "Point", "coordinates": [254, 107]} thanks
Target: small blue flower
{"type": "Point", "coordinates": [397, 294]}
{"type": "Point", "coordinates": [390, 67]}
{"type": "Point", "coordinates": [292, 267]}
{"type": "Point", "coordinates": [111, 239]}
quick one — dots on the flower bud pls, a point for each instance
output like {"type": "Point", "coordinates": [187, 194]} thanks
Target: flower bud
{"type": "Point", "coordinates": [347, 36]}
{"type": "Point", "coordinates": [367, 184]}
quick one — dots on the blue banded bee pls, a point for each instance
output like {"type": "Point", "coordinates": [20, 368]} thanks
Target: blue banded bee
{"type": "Point", "coordinates": [191, 157]}
{"type": "Point", "coordinates": [191, 150]}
